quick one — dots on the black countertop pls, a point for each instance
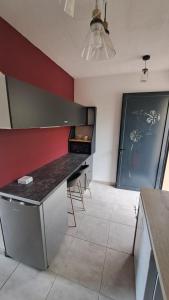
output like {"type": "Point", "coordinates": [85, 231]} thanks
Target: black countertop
{"type": "Point", "coordinates": [45, 179]}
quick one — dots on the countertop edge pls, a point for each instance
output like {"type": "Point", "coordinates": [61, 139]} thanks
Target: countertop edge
{"type": "Point", "coordinates": [36, 202]}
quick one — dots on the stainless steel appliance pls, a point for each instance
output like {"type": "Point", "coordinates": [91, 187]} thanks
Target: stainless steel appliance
{"type": "Point", "coordinates": [33, 233]}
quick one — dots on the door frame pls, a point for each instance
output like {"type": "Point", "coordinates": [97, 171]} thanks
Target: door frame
{"type": "Point", "coordinates": [165, 141]}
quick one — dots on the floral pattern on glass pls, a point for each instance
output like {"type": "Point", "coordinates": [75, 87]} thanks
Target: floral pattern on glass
{"type": "Point", "coordinates": [135, 135]}
{"type": "Point", "coordinates": [152, 117]}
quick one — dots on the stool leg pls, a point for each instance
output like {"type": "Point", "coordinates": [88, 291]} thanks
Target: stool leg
{"type": "Point", "coordinates": [81, 193]}
{"type": "Point", "coordinates": [73, 212]}
{"type": "Point", "coordinates": [88, 188]}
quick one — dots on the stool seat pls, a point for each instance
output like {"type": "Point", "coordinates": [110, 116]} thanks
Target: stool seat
{"type": "Point", "coordinates": [72, 180]}
{"type": "Point", "coordinates": [83, 168]}
{"type": "Point", "coordinates": [83, 171]}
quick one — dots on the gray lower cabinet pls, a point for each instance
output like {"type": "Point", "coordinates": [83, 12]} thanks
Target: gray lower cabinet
{"type": "Point", "coordinates": [158, 293]}
{"type": "Point", "coordinates": [142, 255]}
{"type": "Point", "coordinates": [33, 233]}
{"type": "Point", "coordinates": [55, 220]}
{"type": "Point", "coordinates": [146, 274]}
{"type": "Point", "coordinates": [1, 239]}
{"type": "Point", "coordinates": [151, 279]}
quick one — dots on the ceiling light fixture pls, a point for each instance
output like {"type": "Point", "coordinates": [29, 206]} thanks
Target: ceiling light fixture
{"type": "Point", "coordinates": [145, 71]}
{"type": "Point", "coordinates": [109, 49]}
{"type": "Point", "coordinates": [98, 45]}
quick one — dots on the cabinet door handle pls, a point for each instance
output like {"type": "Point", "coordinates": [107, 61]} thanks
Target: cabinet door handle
{"type": "Point", "coordinates": [65, 121]}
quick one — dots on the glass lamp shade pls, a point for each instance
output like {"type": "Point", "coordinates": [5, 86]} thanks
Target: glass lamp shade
{"type": "Point", "coordinates": [98, 45]}
{"type": "Point", "coordinates": [109, 50]}
{"type": "Point", "coordinates": [144, 75]}
{"type": "Point", "coordinates": [93, 42]}
{"type": "Point", "coordinates": [70, 7]}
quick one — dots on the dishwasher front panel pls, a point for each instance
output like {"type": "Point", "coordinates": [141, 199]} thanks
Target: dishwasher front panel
{"type": "Point", "coordinates": [23, 231]}
{"type": "Point", "coordinates": [55, 220]}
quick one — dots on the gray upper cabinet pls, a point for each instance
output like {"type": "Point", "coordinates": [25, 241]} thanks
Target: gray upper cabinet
{"type": "Point", "coordinates": [23, 105]}
{"type": "Point", "coordinates": [5, 122]}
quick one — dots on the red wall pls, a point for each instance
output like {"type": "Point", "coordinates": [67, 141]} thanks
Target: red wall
{"type": "Point", "coordinates": [22, 151]}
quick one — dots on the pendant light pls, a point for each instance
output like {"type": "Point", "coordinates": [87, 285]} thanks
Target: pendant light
{"type": "Point", "coordinates": [145, 71]}
{"type": "Point", "coordinates": [98, 45]}
{"type": "Point", "coordinates": [108, 46]}
{"type": "Point", "coordinates": [69, 7]}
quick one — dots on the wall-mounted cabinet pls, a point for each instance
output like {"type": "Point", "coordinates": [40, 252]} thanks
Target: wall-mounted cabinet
{"type": "Point", "coordinates": [23, 105]}
{"type": "Point", "coordinates": [91, 115]}
{"type": "Point", "coordinates": [82, 138]}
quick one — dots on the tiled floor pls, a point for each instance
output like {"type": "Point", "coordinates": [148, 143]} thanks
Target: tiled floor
{"type": "Point", "coordinates": [94, 261]}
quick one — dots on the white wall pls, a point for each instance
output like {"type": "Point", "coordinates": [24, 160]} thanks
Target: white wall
{"type": "Point", "coordinates": [106, 94]}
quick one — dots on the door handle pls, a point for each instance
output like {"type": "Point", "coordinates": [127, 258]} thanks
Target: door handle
{"type": "Point", "coordinates": [121, 149]}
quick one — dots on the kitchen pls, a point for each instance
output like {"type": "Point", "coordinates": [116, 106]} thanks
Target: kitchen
{"type": "Point", "coordinates": [94, 259]}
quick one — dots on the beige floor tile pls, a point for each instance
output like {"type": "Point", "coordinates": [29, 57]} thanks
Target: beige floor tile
{"type": "Point", "coordinates": [105, 298]}
{"type": "Point", "coordinates": [83, 263]}
{"type": "Point", "coordinates": [93, 230]}
{"type": "Point", "coordinates": [63, 250]}
{"type": "Point", "coordinates": [66, 290]}
{"type": "Point", "coordinates": [99, 211]}
{"type": "Point", "coordinates": [27, 284]}
{"type": "Point", "coordinates": [123, 216]}
{"type": "Point", "coordinates": [126, 198]}
{"type": "Point", "coordinates": [103, 194]}
{"type": "Point", "coordinates": [121, 237]}
{"type": "Point", "coordinates": [101, 202]}
{"type": "Point", "coordinates": [107, 198]}
{"type": "Point", "coordinates": [110, 192]}
{"type": "Point", "coordinates": [7, 267]}
{"type": "Point", "coordinates": [118, 276]}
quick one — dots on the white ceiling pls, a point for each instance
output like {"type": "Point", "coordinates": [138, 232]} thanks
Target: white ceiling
{"type": "Point", "coordinates": [137, 27]}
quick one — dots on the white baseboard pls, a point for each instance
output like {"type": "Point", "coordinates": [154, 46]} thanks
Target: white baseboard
{"type": "Point", "coordinates": [105, 182]}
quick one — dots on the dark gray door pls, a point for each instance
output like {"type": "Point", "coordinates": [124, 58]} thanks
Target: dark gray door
{"type": "Point", "coordinates": [143, 126]}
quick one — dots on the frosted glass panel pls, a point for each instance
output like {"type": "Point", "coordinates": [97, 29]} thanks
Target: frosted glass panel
{"type": "Point", "coordinates": [143, 124]}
